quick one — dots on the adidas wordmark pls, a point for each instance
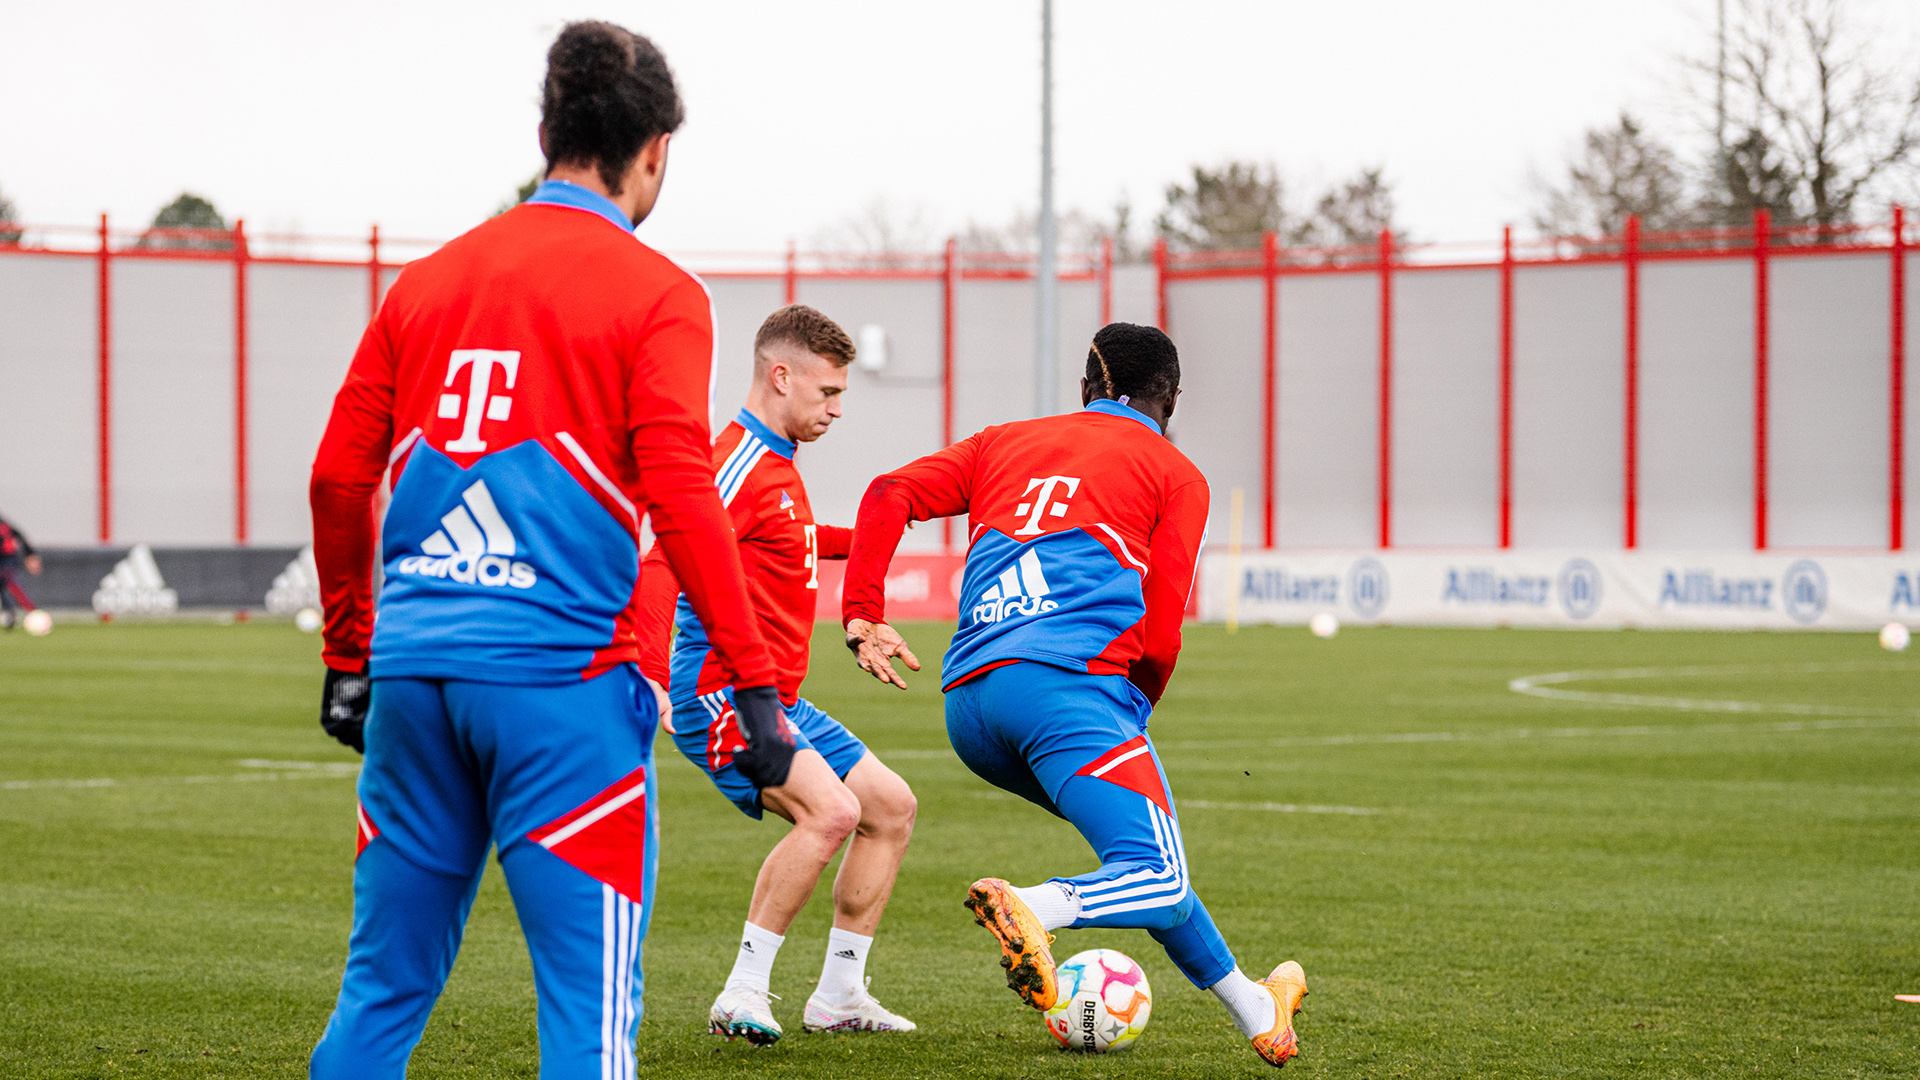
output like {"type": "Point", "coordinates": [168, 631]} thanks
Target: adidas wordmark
{"type": "Point", "coordinates": [472, 546]}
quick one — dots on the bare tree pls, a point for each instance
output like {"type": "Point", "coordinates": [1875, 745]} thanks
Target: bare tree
{"type": "Point", "coordinates": [1223, 209]}
{"type": "Point", "coordinates": [878, 228]}
{"type": "Point", "coordinates": [1351, 213]}
{"type": "Point", "coordinates": [1620, 170]}
{"type": "Point", "coordinates": [1839, 107]}
{"type": "Point", "coordinates": [1745, 176]}
{"type": "Point", "coordinates": [1078, 231]}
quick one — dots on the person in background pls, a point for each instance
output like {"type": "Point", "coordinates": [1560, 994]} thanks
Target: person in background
{"type": "Point", "coordinates": [16, 554]}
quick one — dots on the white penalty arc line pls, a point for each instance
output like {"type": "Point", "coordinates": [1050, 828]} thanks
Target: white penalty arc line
{"type": "Point", "coordinates": [267, 771]}
{"type": "Point", "coordinates": [1544, 686]}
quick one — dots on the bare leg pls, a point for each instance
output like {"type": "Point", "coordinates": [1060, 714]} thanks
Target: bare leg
{"type": "Point", "coordinates": [865, 881]}
{"type": "Point", "coordinates": [824, 813]}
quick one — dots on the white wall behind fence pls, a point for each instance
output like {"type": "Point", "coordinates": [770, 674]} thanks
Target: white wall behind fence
{"type": "Point", "coordinates": [49, 452]}
{"type": "Point", "coordinates": [173, 395]}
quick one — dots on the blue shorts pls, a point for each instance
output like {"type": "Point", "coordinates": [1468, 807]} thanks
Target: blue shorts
{"type": "Point", "coordinates": [705, 731]}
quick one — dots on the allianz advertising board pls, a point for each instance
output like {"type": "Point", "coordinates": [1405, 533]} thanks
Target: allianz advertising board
{"type": "Point", "coordinates": [1729, 590]}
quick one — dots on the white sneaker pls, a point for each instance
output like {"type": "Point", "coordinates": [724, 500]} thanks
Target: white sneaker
{"type": "Point", "coordinates": [865, 1014]}
{"type": "Point", "coordinates": [744, 1012]}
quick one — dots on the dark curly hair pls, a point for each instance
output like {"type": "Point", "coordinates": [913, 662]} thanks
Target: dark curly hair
{"type": "Point", "coordinates": [1134, 361]}
{"type": "Point", "coordinates": [608, 93]}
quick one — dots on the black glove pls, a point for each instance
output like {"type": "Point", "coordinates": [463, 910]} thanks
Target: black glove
{"type": "Point", "coordinates": [343, 707]}
{"type": "Point", "coordinates": [769, 753]}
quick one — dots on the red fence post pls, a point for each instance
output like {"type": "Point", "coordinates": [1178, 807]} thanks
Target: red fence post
{"type": "Point", "coordinates": [1386, 388]}
{"type": "Point", "coordinates": [240, 382]}
{"type": "Point", "coordinates": [1160, 283]}
{"type": "Point", "coordinates": [1506, 387]}
{"type": "Point", "coordinates": [1270, 387]}
{"type": "Point", "coordinates": [105, 421]}
{"type": "Point", "coordinates": [1762, 230]}
{"type": "Point", "coordinates": [1106, 280]}
{"type": "Point", "coordinates": [1897, 390]}
{"type": "Point", "coordinates": [949, 278]}
{"type": "Point", "coordinates": [373, 273]}
{"type": "Point", "coordinates": [793, 274]}
{"type": "Point", "coordinates": [1630, 438]}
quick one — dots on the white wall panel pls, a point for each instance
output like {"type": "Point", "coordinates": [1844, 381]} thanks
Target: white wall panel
{"type": "Point", "coordinates": [1696, 404]}
{"type": "Point", "coordinates": [173, 403]}
{"type": "Point", "coordinates": [49, 348]}
{"type": "Point", "coordinates": [1827, 401]}
{"type": "Point", "coordinates": [1569, 379]}
{"type": "Point", "coordinates": [1217, 325]}
{"type": "Point", "coordinates": [304, 323]}
{"type": "Point", "coordinates": [1329, 361]}
{"type": "Point", "coordinates": [1446, 407]}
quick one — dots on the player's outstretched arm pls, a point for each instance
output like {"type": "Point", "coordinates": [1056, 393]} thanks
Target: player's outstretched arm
{"type": "Point", "coordinates": [938, 485]}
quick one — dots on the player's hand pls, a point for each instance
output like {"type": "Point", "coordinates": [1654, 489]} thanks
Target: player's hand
{"type": "Point", "coordinates": [663, 703]}
{"type": "Point", "coordinates": [33, 565]}
{"type": "Point", "coordinates": [875, 646]}
{"type": "Point", "coordinates": [343, 707]}
{"type": "Point", "coordinates": [769, 753]}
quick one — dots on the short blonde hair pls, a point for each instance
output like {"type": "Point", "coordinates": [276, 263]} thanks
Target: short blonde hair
{"type": "Point", "coordinates": [807, 328]}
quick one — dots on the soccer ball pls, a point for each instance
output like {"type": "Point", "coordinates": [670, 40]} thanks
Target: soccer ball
{"type": "Point", "coordinates": [1323, 624]}
{"type": "Point", "coordinates": [1894, 637]}
{"type": "Point", "coordinates": [308, 620]}
{"type": "Point", "coordinates": [38, 623]}
{"type": "Point", "coordinates": [1104, 1002]}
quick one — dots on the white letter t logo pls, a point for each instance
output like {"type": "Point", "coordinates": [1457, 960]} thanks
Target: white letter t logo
{"type": "Point", "coordinates": [479, 406]}
{"type": "Point", "coordinates": [1041, 506]}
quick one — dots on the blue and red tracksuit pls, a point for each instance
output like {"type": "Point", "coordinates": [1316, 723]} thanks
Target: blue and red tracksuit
{"type": "Point", "coordinates": [1086, 530]}
{"type": "Point", "coordinates": [533, 388]}
{"type": "Point", "coordinates": [781, 547]}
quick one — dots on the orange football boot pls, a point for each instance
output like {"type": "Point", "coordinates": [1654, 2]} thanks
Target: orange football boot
{"type": "Point", "coordinates": [1023, 941]}
{"type": "Point", "coordinates": [1288, 985]}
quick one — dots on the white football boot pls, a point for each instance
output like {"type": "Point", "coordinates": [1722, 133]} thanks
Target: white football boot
{"type": "Point", "coordinates": [746, 1013]}
{"type": "Point", "coordinates": [865, 1014]}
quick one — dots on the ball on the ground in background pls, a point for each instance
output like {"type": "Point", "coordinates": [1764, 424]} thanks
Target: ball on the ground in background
{"type": "Point", "coordinates": [38, 623]}
{"type": "Point", "coordinates": [1104, 1002]}
{"type": "Point", "coordinates": [1323, 624]}
{"type": "Point", "coordinates": [1894, 637]}
{"type": "Point", "coordinates": [307, 619]}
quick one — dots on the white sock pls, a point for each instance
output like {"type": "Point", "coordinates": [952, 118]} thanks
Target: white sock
{"type": "Point", "coordinates": [753, 968]}
{"type": "Point", "coordinates": [1055, 904]}
{"type": "Point", "coordinates": [1250, 1004]}
{"type": "Point", "coordinates": [844, 974]}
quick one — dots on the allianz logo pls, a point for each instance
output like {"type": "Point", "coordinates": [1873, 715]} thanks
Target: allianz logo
{"type": "Point", "coordinates": [1275, 585]}
{"type": "Point", "coordinates": [472, 546]}
{"type": "Point", "coordinates": [1703, 588]}
{"type": "Point", "coordinates": [1019, 592]}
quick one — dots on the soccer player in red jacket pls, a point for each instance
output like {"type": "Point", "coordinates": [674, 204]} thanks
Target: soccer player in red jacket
{"type": "Point", "coordinates": [533, 388]}
{"type": "Point", "coordinates": [836, 787]}
{"type": "Point", "coordinates": [1086, 529]}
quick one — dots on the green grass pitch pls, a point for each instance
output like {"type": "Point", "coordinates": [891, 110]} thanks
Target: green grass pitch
{"type": "Point", "coordinates": [1542, 888]}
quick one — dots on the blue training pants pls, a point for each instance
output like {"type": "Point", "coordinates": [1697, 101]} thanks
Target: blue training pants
{"type": "Point", "coordinates": [1077, 745]}
{"type": "Point", "coordinates": [559, 780]}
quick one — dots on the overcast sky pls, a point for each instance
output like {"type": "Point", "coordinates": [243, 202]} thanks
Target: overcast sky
{"type": "Point", "coordinates": [421, 116]}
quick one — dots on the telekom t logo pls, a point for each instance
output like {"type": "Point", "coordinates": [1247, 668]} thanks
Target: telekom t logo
{"type": "Point", "coordinates": [1043, 504]}
{"type": "Point", "coordinates": [480, 402]}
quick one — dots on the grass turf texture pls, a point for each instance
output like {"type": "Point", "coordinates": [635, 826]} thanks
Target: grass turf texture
{"type": "Point", "coordinates": [1656, 893]}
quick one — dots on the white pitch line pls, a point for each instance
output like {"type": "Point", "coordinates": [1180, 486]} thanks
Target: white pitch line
{"type": "Point", "coordinates": [1542, 686]}
{"type": "Point", "coordinates": [290, 770]}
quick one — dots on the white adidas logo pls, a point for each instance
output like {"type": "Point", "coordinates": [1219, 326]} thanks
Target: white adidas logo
{"type": "Point", "coordinates": [297, 587]}
{"type": "Point", "coordinates": [1018, 592]}
{"type": "Point", "coordinates": [472, 545]}
{"type": "Point", "coordinates": [135, 587]}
